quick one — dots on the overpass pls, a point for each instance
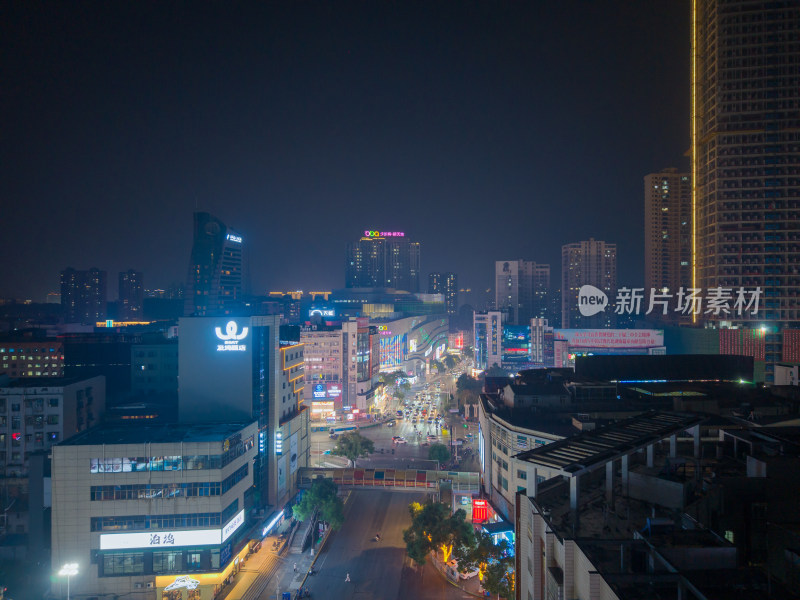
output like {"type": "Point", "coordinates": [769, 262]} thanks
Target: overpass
{"type": "Point", "coordinates": [396, 479]}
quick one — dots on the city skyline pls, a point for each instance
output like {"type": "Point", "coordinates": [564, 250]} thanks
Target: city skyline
{"type": "Point", "coordinates": [409, 118]}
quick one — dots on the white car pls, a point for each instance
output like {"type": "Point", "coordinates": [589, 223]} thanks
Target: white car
{"type": "Point", "coordinates": [400, 440]}
{"type": "Point", "coordinates": [182, 582]}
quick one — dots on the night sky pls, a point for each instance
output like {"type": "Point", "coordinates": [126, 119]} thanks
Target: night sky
{"type": "Point", "coordinates": [486, 131]}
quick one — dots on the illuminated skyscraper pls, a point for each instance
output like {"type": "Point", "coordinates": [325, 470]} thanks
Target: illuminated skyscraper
{"type": "Point", "coordinates": [83, 295]}
{"type": "Point", "coordinates": [446, 284]}
{"type": "Point", "coordinates": [131, 294]}
{"type": "Point", "coordinates": [667, 232]}
{"type": "Point", "coordinates": [383, 260]}
{"type": "Point", "coordinates": [746, 151]}
{"type": "Point", "coordinates": [435, 283]}
{"type": "Point", "coordinates": [594, 263]}
{"type": "Point", "coordinates": [214, 284]}
{"type": "Point", "coordinates": [521, 287]}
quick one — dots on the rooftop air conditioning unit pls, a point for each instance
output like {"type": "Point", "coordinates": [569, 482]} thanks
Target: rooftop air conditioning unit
{"type": "Point", "coordinates": [150, 584]}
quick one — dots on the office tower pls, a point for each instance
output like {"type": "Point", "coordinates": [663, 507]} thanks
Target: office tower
{"type": "Point", "coordinates": [521, 288]}
{"type": "Point", "coordinates": [83, 295]}
{"type": "Point", "coordinates": [594, 263]}
{"type": "Point", "coordinates": [667, 232]}
{"type": "Point", "coordinates": [241, 369]}
{"type": "Point", "coordinates": [131, 295]}
{"type": "Point", "coordinates": [746, 150]}
{"type": "Point", "coordinates": [435, 283]}
{"type": "Point", "coordinates": [451, 293]}
{"type": "Point", "coordinates": [214, 285]}
{"type": "Point", "coordinates": [383, 260]}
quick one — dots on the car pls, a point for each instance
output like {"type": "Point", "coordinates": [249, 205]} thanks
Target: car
{"type": "Point", "coordinates": [431, 438]}
{"type": "Point", "coordinates": [414, 421]}
{"type": "Point", "coordinates": [390, 424]}
{"type": "Point", "coordinates": [401, 440]}
{"type": "Point", "coordinates": [333, 436]}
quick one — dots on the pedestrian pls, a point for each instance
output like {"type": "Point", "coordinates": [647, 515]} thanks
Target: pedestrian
{"type": "Point", "coordinates": [295, 567]}
{"type": "Point", "coordinates": [347, 579]}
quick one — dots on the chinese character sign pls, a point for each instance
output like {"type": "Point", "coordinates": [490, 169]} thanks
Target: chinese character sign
{"type": "Point", "coordinates": [714, 302]}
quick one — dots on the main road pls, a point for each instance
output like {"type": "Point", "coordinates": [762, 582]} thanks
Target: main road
{"type": "Point", "coordinates": [377, 570]}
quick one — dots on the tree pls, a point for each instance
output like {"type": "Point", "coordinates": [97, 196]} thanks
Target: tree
{"type": "Point", "coordinates": [405, 386]}
{"type": "Point", "coordinates": [433, 528]}
{"type": "Point", "coordinates": [353, 446]}
{"type": "Point", "coordinates": [439, 452]}
{"type": "Point", "coordinates": [467, 351]}
{"type": "Point", "coordinates": [450, 361]}
{"type": "Point", "coordinates": [465, 382]}
{"type": "Point", "coordinates": [496, 371]}
{"type": "Point", "coordinates": [467, 397]}
{"type": "Point", "coordinates": [321, 496]}
{"type": "Point", "coordinates": [499, 579]}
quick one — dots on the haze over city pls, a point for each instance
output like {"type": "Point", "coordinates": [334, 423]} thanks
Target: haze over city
{"type": "Point", "coordinates": [510, 127]}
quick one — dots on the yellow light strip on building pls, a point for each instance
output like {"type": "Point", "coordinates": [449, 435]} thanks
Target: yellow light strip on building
{"type": "Point", "coordinates": [694, 148]}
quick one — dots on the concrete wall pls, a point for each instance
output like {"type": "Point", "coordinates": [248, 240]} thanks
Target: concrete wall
{"type": "Point", "coordinates": [670, 494]}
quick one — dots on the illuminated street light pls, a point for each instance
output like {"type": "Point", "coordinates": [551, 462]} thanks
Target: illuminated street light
{"type": "Point", "coordinates": [68, 570]}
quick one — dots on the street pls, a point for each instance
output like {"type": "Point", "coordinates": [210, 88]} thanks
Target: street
{"type": "Point", "coordinates": [413, 454]}
{"type": "Point", "coordinates": [378, 570]}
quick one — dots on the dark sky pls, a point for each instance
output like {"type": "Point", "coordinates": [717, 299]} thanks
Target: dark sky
{"type": "Point", "coordinates": [486, 131]}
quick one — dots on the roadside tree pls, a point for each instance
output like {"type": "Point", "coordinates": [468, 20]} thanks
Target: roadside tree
{"type": "Point", "coordinates": [353, 445]}
{"type": "Point", "coordinates": [321, 496]}
{"type": "Point", "coordinates": [434, 529]}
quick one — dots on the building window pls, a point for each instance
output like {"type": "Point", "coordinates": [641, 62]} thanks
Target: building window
{"type": "Point", "coordinates": [128, 563]}
{"type": "Point", "coordinates": [522, 475]}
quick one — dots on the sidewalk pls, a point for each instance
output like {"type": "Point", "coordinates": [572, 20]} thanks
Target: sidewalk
{"type": "Point", "coordinates": [471, 586]}
{"type": "Point", "coordinates": [269, 574]}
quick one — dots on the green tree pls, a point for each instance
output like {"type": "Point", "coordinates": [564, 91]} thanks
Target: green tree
{"type": "Point", "coordinates": [467, 351]}
{"type": "Point", "coordinates": [321, 496]}
{"type": "Point", "coordinates": [433, 528]}
{"type": "Point", "coordinates": [353, 446]}
{"type": "Point", "coordinates": [405, 386]}
{"type": "Point", "coordinates": [438, 452]}
{"type": "Point", "coordinates": [499, 579]}
{"type": "Point", "coordinates": [450, 361]}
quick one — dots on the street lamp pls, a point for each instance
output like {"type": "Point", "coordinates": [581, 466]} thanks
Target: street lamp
{"type": "Point", "coordinates": [68, 570]}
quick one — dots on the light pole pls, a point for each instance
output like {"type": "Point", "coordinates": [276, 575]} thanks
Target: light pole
{"type": "Point", "coordinates": [68, 570]}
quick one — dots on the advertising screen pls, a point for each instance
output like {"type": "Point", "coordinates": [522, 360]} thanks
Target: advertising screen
{"type": "Point", "coordinates": [611, 338]}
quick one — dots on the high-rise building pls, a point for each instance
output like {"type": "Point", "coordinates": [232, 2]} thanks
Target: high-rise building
{"type": "Point", "coordinates": [521, 288]}
{"type": "Point", "coordinates": [446, 284]}
{"type": "Point", "coordinates": [131, 295]}
{"type": "Point", "coordinates": [746, 156]}
{"type": "Point", "coordinates": [240, 369]}
{"type": "Point", "coordinates": [214, 284]}
{"type": "Point", "coordinates": [451, 293]}
{"type": "Point", "coordinates": [487, 336]}
{"type": "Point", "coordinates": [83, 295]}
{"type": "Point", "coordinates": [667, 231]}
{"type": "Point", "coordinates": [435, 283]}
{"type": "Point", "coordinates": [383, 260]}
{"type": "Point", "coordinates": [592, 262]}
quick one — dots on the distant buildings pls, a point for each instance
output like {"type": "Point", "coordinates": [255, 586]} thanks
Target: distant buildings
{"type": "Point", "coordinates": [83, 295]}
{"type": "Point", "coordinates": [215, 282]}
{"type": "Point", "coordinates": [383, 260]}
{"type": "Point", "coordinates": [25, 356]}
{"type": "Point", "coordinates": [592, 262]}
{"type": "Point", "coordinates": [667, 233]}
{"type": "Point", "coordinates": [521, 290]}
{"type": "Point", "coordinates": [131, 295]}
{"type": "Point", "coordinates": [447, 284]}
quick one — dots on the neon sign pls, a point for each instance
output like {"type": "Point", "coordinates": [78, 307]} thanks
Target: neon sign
{"type": "Point", "coordinates": [377, 234]}
{"type": "Point", "coordinates": [234, 238]}
{"type": "Point", "coordinates": [182, 582]}
{"type": "Point", "coordinates": [233, 525]}
{"type": "Point", "coordinates": [231, 337]}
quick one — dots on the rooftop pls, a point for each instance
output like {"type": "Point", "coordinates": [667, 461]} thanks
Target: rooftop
{"type": "Point", "coordinates": [168, 433]}
{"type": "Point", "coordinates": [45, 382]}
{"type": "Point", "coordinates": [592, 449]}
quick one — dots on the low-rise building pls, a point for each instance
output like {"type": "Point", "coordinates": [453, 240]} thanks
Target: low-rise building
{"type": "Point", "coordinates": [140, 508]}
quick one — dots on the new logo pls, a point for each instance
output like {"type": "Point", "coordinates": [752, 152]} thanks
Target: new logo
{"type": "Point", "coordinates": [591, 300]}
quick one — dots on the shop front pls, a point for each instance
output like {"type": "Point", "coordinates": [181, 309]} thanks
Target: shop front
{"type": "Point", "coordinates": [199, 586]}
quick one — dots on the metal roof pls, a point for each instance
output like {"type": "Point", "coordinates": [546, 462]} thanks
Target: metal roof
{"type": "Point", "coordinates": [592, 449]}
